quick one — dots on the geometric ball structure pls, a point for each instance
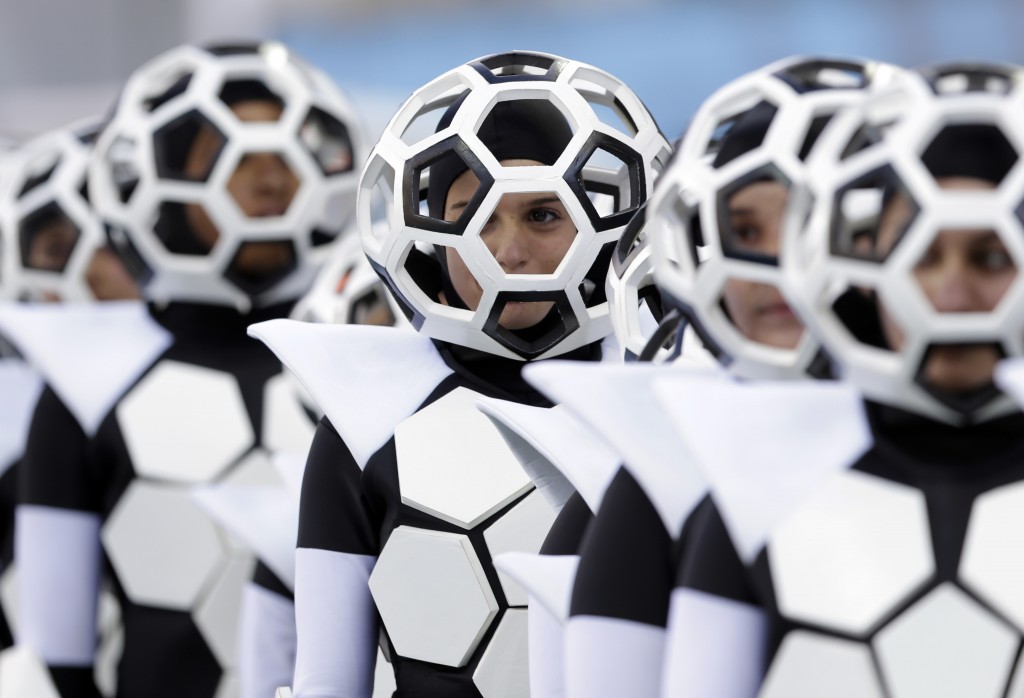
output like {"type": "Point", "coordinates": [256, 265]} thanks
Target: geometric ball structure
{"type": "Point", "coordinates": [753, 135]}
{"type": "Point", "coordinates": [169, 174]}
{"type": "Point", "coordinates": [598, 178]}
{"type": "Point", "coordinates": [883, 193]}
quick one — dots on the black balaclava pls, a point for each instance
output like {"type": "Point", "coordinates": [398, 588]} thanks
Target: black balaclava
{"type": "Point", "coordinates": [525, 129]}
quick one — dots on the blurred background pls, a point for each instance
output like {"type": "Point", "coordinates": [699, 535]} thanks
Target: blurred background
{"type": "Point", "coordinates": [64, 59]}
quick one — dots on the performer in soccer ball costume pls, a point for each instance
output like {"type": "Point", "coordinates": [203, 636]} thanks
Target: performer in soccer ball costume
{"type": "Point", "coordinates": [54, 251]}
{"type": "Point", "coordinates": [879, 561]}
{"type": "Point", "coordinates": [730, 176]}
{"type": "Point", "coordinates": [223, 176]}
{"type": "Point", "coordinates": [495, 247]}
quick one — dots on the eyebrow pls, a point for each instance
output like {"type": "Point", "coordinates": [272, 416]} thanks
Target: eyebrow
{"type": "Point", "coordinates": [458, 205]}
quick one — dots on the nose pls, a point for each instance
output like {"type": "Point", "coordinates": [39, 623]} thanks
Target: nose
{"type": "Point", "coordinates": [950, 290]}
{"type": "Point", "coordinates": [506, 242]}
{"type": "Point", "coordinates": [269, 172]}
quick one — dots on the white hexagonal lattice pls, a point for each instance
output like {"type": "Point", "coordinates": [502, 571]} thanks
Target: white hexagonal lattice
{"type": "Point", "coordinates": [947, 645]}
{"type": "Point", "coordinates": [286, 425]}
{"type": "Point", "coordinates": [453, 463]}
{"type": "Point", "coordinates": [993, 558]}
{"type": "Point", "coordinates": [503, 671]}
{"type": "Point", "coordinates": [522, 529]}
{"type": "Point", "coordinates": [184, 423]}
{"type": "Point", "coordinates": [851, 553]}
{"type": "Point", "coordinates": [809, 665]}
{"type": "Point", "coordinates": [218, 613]}
{"type": "Point", "coordinates": [432, 595]}
{"type": "Point", "coordinates": [164, 549]}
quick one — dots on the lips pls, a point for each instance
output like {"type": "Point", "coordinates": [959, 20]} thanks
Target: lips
{"type": "Point", "coordinates": [778, 310]}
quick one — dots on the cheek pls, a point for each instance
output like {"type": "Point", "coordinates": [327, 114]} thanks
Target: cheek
{"type": "Point", "coordinates": [738, 297]}
{"type": "Point", "coordinates": [993, 290]}
{"type": "Point", "coordinates": [551, 249]}
{"type": "Point", "coordinates": [462, 280]}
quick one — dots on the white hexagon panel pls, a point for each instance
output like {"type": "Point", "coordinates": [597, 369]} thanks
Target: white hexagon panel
{"type": "Point", "coordinates": [947, 645]}
{"type": "Point", "coordinates": [163, 548]}
{"type": "Point", "coordinates": [811, 665]}
{"type": "Point", "coordinates": [184, 423]}
{"type": "Point", "coordinates": [992, 564]}
{"type": "Point", "coordinates": [432, 595]}
{"type": "Point", "coordinates": [218, 613]}
{"type": "Point", "coordinates": [256, 468]}
{"type": "Point", "coordinates": [286, 425]}
{"type": "Point", "coordinates": [851, 553]}
{"type": "Point", "coordinates": [453, 463]}
{"type": "Point", "coordinates": [522, 529]}
{"type": "Point", "coordinates": [503, 671]}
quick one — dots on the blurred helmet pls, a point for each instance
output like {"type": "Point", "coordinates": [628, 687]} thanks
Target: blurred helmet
{"type": "Point", "coordinates": [598, 151]}
{"type": "Point", "coordinates": [756, 130]}
{"type": "Point", "coordinates": [225, 173]}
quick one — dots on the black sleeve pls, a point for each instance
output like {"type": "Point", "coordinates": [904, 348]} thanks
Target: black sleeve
{"type": "Point", "coordinates": [709, 561]}
{"type": "Point", "coordinates": [625, 568]}
{"type": "Point", "coordinates": [55, 471]}
{"type": "Point", "coordinates": [565, 536]}
{"type": "Point", "coordinates": [334, 513]}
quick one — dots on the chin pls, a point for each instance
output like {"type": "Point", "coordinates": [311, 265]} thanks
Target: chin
{"type": "Point", "coordinates": [779, 338]}
{"type": "Point", "coordinates": [519, 317]}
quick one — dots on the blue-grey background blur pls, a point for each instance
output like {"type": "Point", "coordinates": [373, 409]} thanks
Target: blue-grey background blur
{"type": "Point", "coordinates": [64, 59]}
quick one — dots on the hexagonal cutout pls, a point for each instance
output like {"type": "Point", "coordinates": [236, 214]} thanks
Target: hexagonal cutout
{"type": "Point", "coordinates": [258, 266]}
{"type": "Point", "coordinates": [528, 232]}
{"type": "Point", "coordinates": [424, 270]}
{"type": "Point", "coordinates": [38, 173]}
{"type": "Point", "coordinates": [965, 271]}
{"type": "Point", "coordinates": [813, 75]}
{"type": "Point", "coordinates": [608, 108]}
{"type": "Point", "coordinates": [964, 78]}
{"type": "Point", "coordinates": [252, 100]}
{"type": "Point", "coordinates": [863, 315]}
{"type": "Point", "coordinates": [328, 142]}
{"type": "Point", "coordinates": [960, 375]}
{"type": "Point", "coordinates": [518, 65]}
{"type": "Point", "coordinates": [120, 160]}
{"type": "Point", "coordinates": [444, 187]}
{"type": "Point", "coordinates": [376, 201]}
{"type": "Point", "coordinates": [47, 238]}
{"type": "Point", "coordinates": [187, 147]}
{"type": "Point", "coordinates": [129, 255]}
{"type": "Point", "coordinates": [750, 213]}
{"type": "Point", "coordinates": [163, 548]}
{"type": "Point", "coordinates": [433, 116]}
{"type": "Point", "coordinates": [371, 308]}
{"type": "Point", "coordinates": [263, 185]}
{"type": "Point", "coordinates": [759, 312]}
{"type": "Point", "coordinates": [432, 595]}
{"type": "Point", "coordinates": [740, 133]}
{"type": "Point", "coordinates": [609, 178]}
{"type": "Point", "coordinates": [592, 289]}
{"type": "Point", "coordinates": [185, 228]}
{"type": "Point", "coordinates": [870, 216]}
{"type": "Point", "coordinates": [633, 238]}
{"type": "Point", "coordinates": [526, 129]}
{"type": "Point", "coordinates": [814, 130]}
{"type": "Point", "coordinates": [977, 151]}
{"type": "Point", "coordinates": [550, 313]}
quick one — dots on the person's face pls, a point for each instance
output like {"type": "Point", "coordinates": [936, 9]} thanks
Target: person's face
{"type": "Point", "coordinates": [758, 310]}
{"type": "Point", "coordinates": [963, 271]}
{"type": "Point", "coordinates": [51, 247]}
{"type": "Point", "coordinates": [262, 185]}
{"type": "Point", "coordinates": [527, 234]}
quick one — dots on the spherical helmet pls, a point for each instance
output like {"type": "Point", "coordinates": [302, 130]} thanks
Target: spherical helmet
{"type": "Point", "coordinates": [48, 229]}
{"type": "Point", "coordinates": [756, 129]}
{"type": "Point", "coordinates": [348, 292]}
{"type": "Point", "coordinates": [168, 176]}
{"type": "Point", "coordinates": [596, 151]}
{"type": "Point", "coordinates": [883, 191]}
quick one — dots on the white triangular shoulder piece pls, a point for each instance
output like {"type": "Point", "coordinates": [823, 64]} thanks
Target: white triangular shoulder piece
{"type": "Point", "coordinates": [1009, 376]}
{"type": "Point", "coordinates": [290, 468]}
{"type": "Point", "coordinates": [549, 440]}
{"type": "Point", "coordinates": [547, 578]}
{"type": "Point", "coordinates": [264, 517]}
{"type": "Point", "coordinates": [765, 446]}
{"type": "Point", "coordinates": [617, 402]}
{"type": "Point", "coordinates": [22, 673]}
{"type": "Point", "coordinates": [283, 692]}
{"type": "Point", "coordinates": [365, 379]}
{"type": "Point", "coordinates": [89, 353]}
{"type": "Point", "coordinates": [19, 387]}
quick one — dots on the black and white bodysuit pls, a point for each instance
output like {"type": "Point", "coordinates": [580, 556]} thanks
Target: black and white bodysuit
{"type": "Point", "coordinates": [852, 552]}
{"type": "Point", "coordinates": [141, 407]}
{"type": "Point", "coordinates": [408, 492]}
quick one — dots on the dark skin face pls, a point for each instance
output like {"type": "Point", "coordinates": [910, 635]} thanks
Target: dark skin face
{"type": "Point", "coordinates": [262, 185]}
{"type": "Point", "coordinates": [105, 275]}
{"type": "Point", "coordinates": [963, 271]}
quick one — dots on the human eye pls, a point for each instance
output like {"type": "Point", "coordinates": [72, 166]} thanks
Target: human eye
{"type": "Point", "coordinates": [544, 216]}
{"type": "Point", "coordinates": [994, 258]}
